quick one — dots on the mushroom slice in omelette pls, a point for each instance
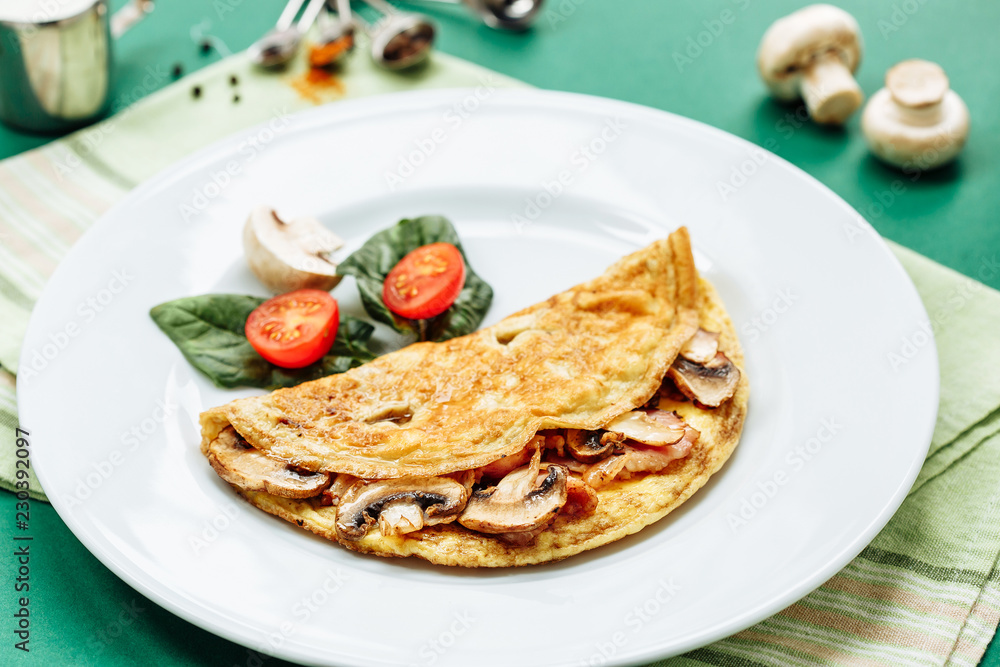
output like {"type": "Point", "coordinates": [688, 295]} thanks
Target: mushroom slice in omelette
{"type": "Point", "coordinates": [568, 425]}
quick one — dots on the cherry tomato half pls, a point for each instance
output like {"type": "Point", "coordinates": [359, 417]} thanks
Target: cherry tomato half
{"type": "Point", "coordinates": [295, 329]}
{"type": "Point", "coordinates": [425, 282]}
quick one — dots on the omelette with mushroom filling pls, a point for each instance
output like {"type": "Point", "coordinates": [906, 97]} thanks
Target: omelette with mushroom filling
{"type": "Point", "coordinates": [568, 425]}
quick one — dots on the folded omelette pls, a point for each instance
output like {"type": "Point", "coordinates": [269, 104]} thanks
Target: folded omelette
{"type": "Point", "coordinates": [566, 426]}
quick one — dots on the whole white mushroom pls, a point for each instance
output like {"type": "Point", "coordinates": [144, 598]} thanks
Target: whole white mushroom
{"type": "Point", "coordinates": [813, 53]}
{"type": "Point", "coordinates": [916, 120]}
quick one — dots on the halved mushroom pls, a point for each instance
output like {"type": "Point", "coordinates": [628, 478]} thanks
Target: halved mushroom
{"type": "Point", "coordinates": [652, 427]}
{"type": "Point", "coordinates": [287, 256]}
{"type": "Point", "coordinates": [251, 470]}
{"type": "Point", "coordinates": [701, 347]}
{"type": "Point", "coordinates": [711, 384]}
{"type": "Point", "coordinates": [409, 503]}
{"type": "Point", "coordinates": [525, 500]}
{"type": "Point", "coordinates": [592, 446]}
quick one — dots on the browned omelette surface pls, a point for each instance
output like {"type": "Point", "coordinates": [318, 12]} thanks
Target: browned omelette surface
{"type": "Point", "coordinates": [576, 360]}
{"type": "Point", "coordinates": [624, 507]}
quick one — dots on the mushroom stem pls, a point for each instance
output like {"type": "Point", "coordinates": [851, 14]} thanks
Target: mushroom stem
{"type": "Point", "coordinates": [920, 116]}
{"type": "Point", "coordinates": [830, 92]}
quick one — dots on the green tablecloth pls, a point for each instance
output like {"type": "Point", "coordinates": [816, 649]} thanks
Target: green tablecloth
{"type": "Point", "coordinates": [689, 58]}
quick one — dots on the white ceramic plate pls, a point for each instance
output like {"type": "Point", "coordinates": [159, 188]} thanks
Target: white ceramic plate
{"type": "Point", "coordinates": [546, 190]}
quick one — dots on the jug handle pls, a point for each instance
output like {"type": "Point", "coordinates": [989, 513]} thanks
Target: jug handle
{"type": "Point", "coordinates": [129, 15]}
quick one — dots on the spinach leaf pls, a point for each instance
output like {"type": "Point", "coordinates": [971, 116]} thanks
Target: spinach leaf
{"type": "Point", "coordinates": [371, 263]}
{"type": "Point", "coordinates": [209, 332]}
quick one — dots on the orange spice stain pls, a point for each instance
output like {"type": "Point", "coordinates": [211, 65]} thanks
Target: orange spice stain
{"type": "Point", "coordinates": [317, 83]}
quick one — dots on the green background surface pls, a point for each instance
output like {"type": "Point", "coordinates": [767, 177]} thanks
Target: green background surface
{"type": "Point", "coordinates": [683, 56]}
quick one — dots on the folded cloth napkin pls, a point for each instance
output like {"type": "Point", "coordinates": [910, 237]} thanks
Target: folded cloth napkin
{"type": "Point", "coordinates": [925, 592]}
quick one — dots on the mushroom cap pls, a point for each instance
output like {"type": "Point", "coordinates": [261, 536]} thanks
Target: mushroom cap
{"type": "Point", "coordinates": [287, 256]}
{"type": "Point", "coordinates": [905, 126]}
{"type": "Point", "coordinates": [251, 470]}
{"type": "Point", "coordinates": [794, 41]}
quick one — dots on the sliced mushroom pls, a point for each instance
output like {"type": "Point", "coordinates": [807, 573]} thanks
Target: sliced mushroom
{"type": "Point", "coordinates": [251, 470]}
{"type": "Point", "coordinates": [341, 483]}
{"type": "Point", "coordinates": [287, 256]}
{"type": "Point", "coordinates": [400, 517]}
{"type": "Point", "coordinates": [592, 446]}
{"type": "Point", "coordinates": [435, 499]}
{"type": "Point", "coordinates": [652, 427]}
{"type": "Point", "coordinates": [701, 347]}
{"type": "Point", "coordinates": [709, 384]}
{"type": "Point", "coordinates": [525, 500]}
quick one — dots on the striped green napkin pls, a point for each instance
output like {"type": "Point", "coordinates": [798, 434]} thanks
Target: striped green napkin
{"type": "Point", "coordinates": [925, 592]}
